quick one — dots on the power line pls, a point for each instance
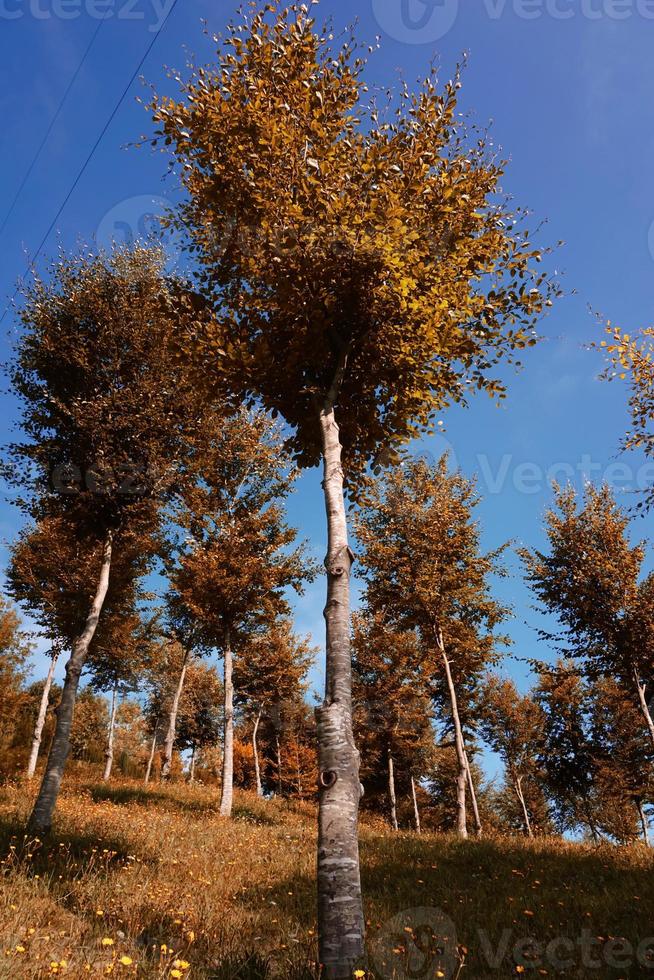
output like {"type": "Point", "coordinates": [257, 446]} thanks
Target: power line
{"type": "Point", "coordinates": [50, 128]}
{"type": "Point", "coordinates": [94, 148]}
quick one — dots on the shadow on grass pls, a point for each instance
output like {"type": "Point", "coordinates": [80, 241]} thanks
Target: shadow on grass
{"type": "Point", "coordinates": [129, 796]}
{"type": "Point", "coordinates": [551, 909]}
{"type": "Point", "coordinates": [59, 855]}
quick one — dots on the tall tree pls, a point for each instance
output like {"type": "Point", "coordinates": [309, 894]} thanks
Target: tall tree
{"type": "Point", "coordinates": [200, 713]}
{"type": "Point", "coordinates": [270, 674]}
{"type": "Point", "coordinates": [15, 648]}
{"type": "Point", "coordinates": [589, 579]}
{"type": "Point", "coordinates": [238, 558]}
{"type": "Point", "coordinates": [567, 751]}
{"type": "Point", "coordinates": [367, 273]}
{"type": "Point", "coordinates": [106, 409]}
{"type": "Point", "coordinates": [423, 567]}
{"type": "Point", "coordinates": [392, 709]}
{"type": "Point", "coordinates": [512, 724]}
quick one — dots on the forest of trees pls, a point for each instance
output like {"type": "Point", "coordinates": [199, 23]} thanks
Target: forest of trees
{"type": "Point", "coordinates": [351, 278]}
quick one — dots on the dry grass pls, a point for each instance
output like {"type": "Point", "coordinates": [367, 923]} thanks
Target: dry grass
{"type": "Point", "coordinates": [155, 884]}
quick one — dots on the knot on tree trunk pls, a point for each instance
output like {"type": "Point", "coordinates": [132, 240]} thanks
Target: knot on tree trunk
{"type": "Point", "coordinates": [340, 562]}
{"type": "Point", "coordinates": [327, 779]}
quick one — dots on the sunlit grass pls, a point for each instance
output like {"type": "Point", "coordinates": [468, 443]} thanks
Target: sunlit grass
{"type": "Point", "coordinates": [155, 884]}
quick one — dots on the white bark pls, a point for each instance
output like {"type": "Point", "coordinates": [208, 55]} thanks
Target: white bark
{"type": "Point", "coordinates": [40, 820]}
{"type": "Point", "coordinates": [525, 812]}
{"type": "Point", "coordinates": [462, 778]}
{"type": "Point", "coordinates": [255, 750]}
{"type": "Point", "coordinates": [153, 749]}
{"type": "Point", "coordinates": [109, 754]}
{"type": "Point", "coordinates": [416, 811]}
{"type": "Point", "coordinates": [171, 734]}
{"type": "Point", "coordinates": [40, 719]}
{"type": "Point", "coordinates": [391, 792]}
{"type": "Point", "coordinates": [473, 798]}
{"type": "Point", "coordinates": [340, 912]}
{"type": "Point", "coordinates": [644, 707]}
{"type": "Point", "coordinates": [191, 774]}
{"type": "Point", "coordinates": [227, 787]}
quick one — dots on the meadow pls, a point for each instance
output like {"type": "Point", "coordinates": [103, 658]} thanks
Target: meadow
{"type": "Point", "coordinates": [153, 883]}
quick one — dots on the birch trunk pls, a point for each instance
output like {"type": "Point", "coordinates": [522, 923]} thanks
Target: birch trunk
{"type": "Point", "coordinates": [340, 911]}
{"type": "Point", "coordinates": [255, 750]}
{"type": "Point", "coordinates": [40, 820]}
{"type": "Point", "coordinates": [473, 799]}
{"type": "Point", "coordinates": [462, 778]}
{"type": "Point", "coordinates": [644, 707]}
{"type": "Point", "coordinates": [525, 812]}
{"type": "Point", "coordinates": [40, 720]}
{"type": "Point", "coordinates": [416, 811]}
{"type": "Point", "coordinates": [643, 821]}
{"type": "Point", "coordinates": [153, 749]}
{"type": "Point", "coordinates": [227, 787]}
{"type": "Point", "coordinates": [191, 774]}
{"type": "Point", "coordinates": [169, 744]}
{"type": "Point", "coordinates": [109, 754]}
{"type": "Point", "coordinates": [391, 792]}
{"type": "Point", "coordinates": [279, 765]}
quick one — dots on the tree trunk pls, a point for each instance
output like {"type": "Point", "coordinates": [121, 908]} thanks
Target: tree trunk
{"type": "Point", "coordinates": [227, 787]}
{"type": "Point", "coordinates": [40, 720]}
{"type": "Point", "coordinates": [473, 799]}
{"type": "Point", "coordinates": [391, 792]}
{"type": "Point", "coordinates": [416, 811]}
{"type": "Point", "coordinates": [462, 778]}
{"type": "Point", "coordinates": [278, 749]}
{"type": "Point", "coordinates": [109, 754]}
{"type": "Point", "coordinates": [644, 707]}
{"type": "Point", "coordinates": [340, 910]}
{"type": "Point", "coordinates": [40, 820]}
{"type": "Point", "coordinates": [643, 821]}
{"type": "Point", "coordinates": [255, 750]}
{"type": "Point", "coordinates": [169, 744]}
{"type": "Point", "coordinates": [525, 812]}
{"type": "Point", "coordinates": [191, 774]}
{"type": "Point", "coordinates": [153, 749]}
{"type": "Point", "coordinates": [298, 769]}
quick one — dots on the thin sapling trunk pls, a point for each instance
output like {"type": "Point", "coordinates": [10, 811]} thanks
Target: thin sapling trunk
{"type": "Point", "coordinates": [227, 786]}
{"type": "Point", "coordinates": [40, 718]}
{"type": "Point", "coordinates": [109, 754]}
{"type": "Point", "coordinates": [169, 744]}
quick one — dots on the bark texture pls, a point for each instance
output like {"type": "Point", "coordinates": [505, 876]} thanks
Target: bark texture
{"type": "Point", "coordinates": [40, 820]}
{"type": "Point", "coordinates": [340, 912]}
{"type": "Point", "coordinates": [391, 792]}
{"type": "Point", "coordinates": [227, 787]}
{"type": "Point", "coordinates": [40, 719]}
{"type": "Point", "coordinates": [171, 734]}
{"type": "Point", "coordinates": [109, 754]}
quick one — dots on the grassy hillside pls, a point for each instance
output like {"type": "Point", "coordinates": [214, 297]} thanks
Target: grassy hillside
{"type": "Point", "coordinates": [155, 884]}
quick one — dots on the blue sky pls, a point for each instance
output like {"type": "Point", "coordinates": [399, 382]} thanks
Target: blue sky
{"type": "Point", "coordinates": [568, 87]}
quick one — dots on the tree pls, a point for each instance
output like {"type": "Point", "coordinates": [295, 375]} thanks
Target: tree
{"type": "Point", "coordinates": [423, 568]}
{"type": "Point", "coordinates": [567, 752]}
{"type": "Point", "coordinates": [367, 273]}
{"type": "Point", "coordinates": [200, 719]}
{"type": "Point", "coordinates": [392, 710]}
{"type": "Point", "coordinates": [589, 579]}
{"type": "Point", "coordinates": [624, 766]}
{"type": "Point", "coordinates": [39, 722]}
{"type": "Point", "coordinates": [118, 656]}
{"type": "Point", "coordinates": [631, 357]}
{"type": "Point", "coordinates": [15, 648]}
{"type": "Point", "coordinates": [106, 410]}
{"type": "Point", "coordinates": [237, 561]}
{"type": "Point", "coordinates": [270, 682]}
{"type": "Point", "coordinates": [512, 724]}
